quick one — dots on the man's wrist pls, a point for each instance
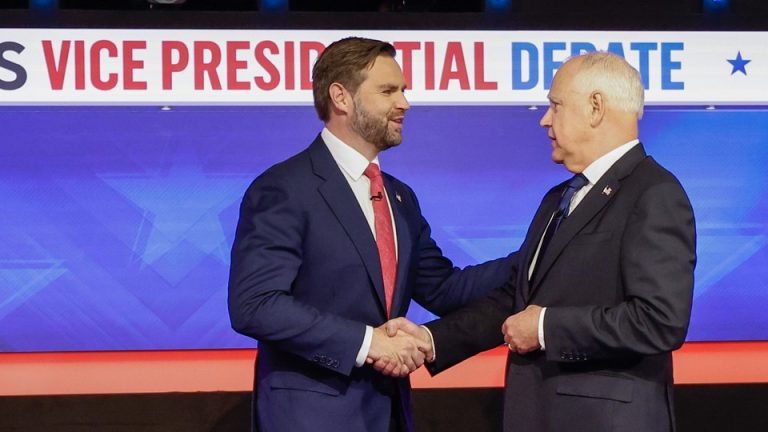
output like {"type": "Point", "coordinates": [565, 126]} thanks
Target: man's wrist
{"type": "Point", "coordinates": [365, 347]}
{"type": "Point", "coordinates": [431, 342]}
{"type": "Point", "coordinates": [541, 328]}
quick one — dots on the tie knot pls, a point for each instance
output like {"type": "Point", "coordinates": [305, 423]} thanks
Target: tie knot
{"type": "Point", "coordinates": [372, 171]}
{"type": "Point", "coordinates": [578, 181]}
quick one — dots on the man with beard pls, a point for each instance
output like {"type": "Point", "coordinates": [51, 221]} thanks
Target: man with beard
{"type": "Point", "coordinates": [328, 248]}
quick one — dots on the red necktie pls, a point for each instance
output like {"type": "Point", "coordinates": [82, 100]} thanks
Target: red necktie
{"type": "Point", "coordinates": [385, 238]}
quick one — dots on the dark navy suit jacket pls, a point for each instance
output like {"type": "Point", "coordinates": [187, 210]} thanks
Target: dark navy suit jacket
{"type": "Point", "coordinates": [305, 280]}
{"type": "Point", "coordinates": [617, 281]}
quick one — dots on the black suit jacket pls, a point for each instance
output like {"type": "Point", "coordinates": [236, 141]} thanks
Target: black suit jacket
{"type": "Point", "coordinates": [617, 281]}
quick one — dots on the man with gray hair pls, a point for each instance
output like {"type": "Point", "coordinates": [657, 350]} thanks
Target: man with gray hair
{"type": "Point", "coordinates": [602, 285]}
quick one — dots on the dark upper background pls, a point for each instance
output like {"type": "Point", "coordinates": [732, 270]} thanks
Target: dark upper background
{"type": "Point", "coordinates": [392, 14]}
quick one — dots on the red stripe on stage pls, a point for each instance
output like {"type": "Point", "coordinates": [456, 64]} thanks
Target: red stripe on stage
{"type": "Point", "coordinates": [232, 370]}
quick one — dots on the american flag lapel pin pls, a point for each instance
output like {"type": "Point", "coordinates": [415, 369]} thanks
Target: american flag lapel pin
{"type": "Point", "coordinates": [398, 197]}
{"type": "Point", "coordinates": [607, 191]}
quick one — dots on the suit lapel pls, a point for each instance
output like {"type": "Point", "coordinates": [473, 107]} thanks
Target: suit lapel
{"type": "Point", "coordinates": [595, 200]}
{"type": "Point", "coordinates": [535, 232]}
{"type": "Point", "coordinates": [338, 195]}
{"type": "Point", "coordinates": [404, 246]}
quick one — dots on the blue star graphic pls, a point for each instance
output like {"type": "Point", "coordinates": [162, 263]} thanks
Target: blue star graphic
{"type": "Point", "coordinates": [739, 64]}
{"type": "Point", "coordinates": [182, 208]}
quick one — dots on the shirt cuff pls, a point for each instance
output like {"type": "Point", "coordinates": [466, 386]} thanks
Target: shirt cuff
{"type": "Point", "coordinates": [431, 341]}
{"type": "Point", "coordinates": [365, 347]}
{"type": "Point", "coordinates": [541, 328]}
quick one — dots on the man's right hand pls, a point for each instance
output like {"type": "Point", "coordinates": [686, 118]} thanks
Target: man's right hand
{"type": "Point", "coordinates": [397, 353]}
{"type": "Point", "coordinates": [399, 328]}
{"type": "Point", "coordinates": [404, 325]}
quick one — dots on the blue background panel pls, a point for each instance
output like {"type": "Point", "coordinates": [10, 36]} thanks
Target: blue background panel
{"type": "Point", "coordinates": [116, 222]}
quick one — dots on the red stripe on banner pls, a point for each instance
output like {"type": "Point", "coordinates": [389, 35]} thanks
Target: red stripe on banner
{"type": "Point", "coordinates": [232, 370]}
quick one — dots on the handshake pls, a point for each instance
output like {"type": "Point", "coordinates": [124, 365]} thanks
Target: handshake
{"type": "Point", "coordinates": [399, 347]}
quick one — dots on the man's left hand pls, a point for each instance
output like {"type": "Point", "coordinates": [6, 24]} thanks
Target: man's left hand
{"type": "Point", "coordinates": [521, 330]}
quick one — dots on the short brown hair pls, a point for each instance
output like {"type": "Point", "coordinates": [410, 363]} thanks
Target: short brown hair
{"type": "Point", "coordinates": [346, 62]}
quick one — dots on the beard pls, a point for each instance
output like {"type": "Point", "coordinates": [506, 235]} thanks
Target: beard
{"type": "Point", "coordinates": [374, 128]}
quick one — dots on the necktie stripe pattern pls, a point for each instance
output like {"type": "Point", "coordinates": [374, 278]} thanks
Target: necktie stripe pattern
{"type": "Point", "coordinates": [385, 238]}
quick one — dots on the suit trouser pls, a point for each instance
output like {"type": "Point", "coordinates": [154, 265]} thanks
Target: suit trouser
{"type": "Point", "coordinates": [397, 416]}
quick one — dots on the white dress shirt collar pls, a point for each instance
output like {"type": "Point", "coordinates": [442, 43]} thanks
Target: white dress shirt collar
{"type": "Point", "coordinates": [596, 169]}
{"type": "Point", "coordinates": [349, 159]}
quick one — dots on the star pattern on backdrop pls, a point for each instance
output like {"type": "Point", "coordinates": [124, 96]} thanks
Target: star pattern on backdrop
{"type": "Point", "coordinates": [739, 64]}
{"type": "Point", "coordinates": [181, 209]}
{"type": "Point", "coordinates": [20, 279]}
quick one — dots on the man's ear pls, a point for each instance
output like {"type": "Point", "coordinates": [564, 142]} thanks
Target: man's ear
{"type": "Point", "coordinates": [341, 100]}
{"type": "Point", "coordinates": [597, 108]}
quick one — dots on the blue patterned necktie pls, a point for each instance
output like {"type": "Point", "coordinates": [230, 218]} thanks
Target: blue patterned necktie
{"type": "Point", "coordinates": [574, 184]}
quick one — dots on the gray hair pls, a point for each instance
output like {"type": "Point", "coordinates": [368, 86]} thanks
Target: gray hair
{"type": "Point", "coordinates": [617, 80]}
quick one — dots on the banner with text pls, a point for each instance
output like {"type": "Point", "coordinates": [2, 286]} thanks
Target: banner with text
{"type": "Point", "coordinates": [269, 67]}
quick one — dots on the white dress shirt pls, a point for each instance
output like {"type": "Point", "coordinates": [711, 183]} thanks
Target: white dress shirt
{"type": "Point", "coordinates": [593, 173]}
{"type": "Point", "coordinates": [352, 165]}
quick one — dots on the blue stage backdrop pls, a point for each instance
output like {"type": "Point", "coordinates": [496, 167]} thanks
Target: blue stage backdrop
{"type": "Point", "coordinates": [116, 222]}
